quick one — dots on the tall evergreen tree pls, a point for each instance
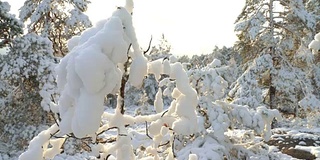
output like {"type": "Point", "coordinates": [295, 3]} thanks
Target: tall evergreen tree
{"type": "Point", "coordinates": [282, 29]}
{"type": "Point", "coordinates": [27, 70]}
{"type": "Point", "coordinates": [57, 20]}
{"type": "Point", "coordinates": [10, 26]}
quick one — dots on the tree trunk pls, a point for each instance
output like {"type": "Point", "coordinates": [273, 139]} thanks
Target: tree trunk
{"type": "Point", "coordinates": [272, 89]}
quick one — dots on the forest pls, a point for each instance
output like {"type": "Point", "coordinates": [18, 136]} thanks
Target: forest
{"type": "Point", "coordinates": [70, 89]}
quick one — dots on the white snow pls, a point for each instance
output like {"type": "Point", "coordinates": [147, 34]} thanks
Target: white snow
{"type": "Point", "coordinates": [38, 144]}
{"type": "Point", "coordinates": [317, 37]}
{"type": "Point", "coordinates": [215, 63]}
{"type": "Point", "coordinates": [312, 149]}
{"type": "Point", "coordinates": [158, 102]}
{"type": "Point", "coordinates": [156, 68]}
{"type": "Point", "coordinates": [193, 157]}
{"type": "Point", "coordinates": [83, 75]}
{"type": "Point", "coordinates": [315, 44]}
{"type": "Point", "coordinates": [138, 70]}
{"type": "Point", "coordinates": [55, 149]}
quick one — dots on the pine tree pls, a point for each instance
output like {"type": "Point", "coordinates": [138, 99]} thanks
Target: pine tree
{"type": "Point", "coordinates": [57, 20]}
{"type": "Point", "coordinates": [10, 26]}
{"type": "Point", "coordinates": [28, 71]}
{"type": "Point", "coordinates": [282, 29]}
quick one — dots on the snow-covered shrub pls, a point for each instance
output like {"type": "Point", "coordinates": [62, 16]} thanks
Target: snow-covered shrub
{"type": "Point", "coordinates": [208, 82]}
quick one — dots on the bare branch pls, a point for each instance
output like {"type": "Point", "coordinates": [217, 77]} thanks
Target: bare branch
{"type": "Point", "coordinates": [164, 113]}
{"type": "Point", "coordinates": [172, 147]}
{"type": "Point", "coordinates": [144, 52]}
{"type": "Point", "coordinates": [107, 130]}
{"type": "Point", "coordinates": [54, 117]}
{"type": "Point", "coordinates": [164, 144]}
{"type": "Point", "coordinates": [108, 156]}
{"type": "Point", "coordinates": [129, 48]}
{"type": "Point", "coordinates": [147, 132]}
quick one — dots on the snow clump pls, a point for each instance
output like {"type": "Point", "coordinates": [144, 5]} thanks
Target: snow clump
{"type": "Point", "coordinates": [315, 44]}
{"type": "Point", "coordinates": [87, 74]}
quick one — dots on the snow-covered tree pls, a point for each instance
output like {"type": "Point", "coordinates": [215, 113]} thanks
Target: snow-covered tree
{"type": "Point", "coordinates": [10, 27]}
{"type": "Point", "coordinates": [56, 20]}
{"type": "Point", "coordinates": [224, 55]}
{"type": "Point", "coordinates": [28, 71]}
{"type": "Point", "coordinates": [162, 50]}
{"type": "Point", "coordinates": [282, 29]}
{"type": "Point", "coordinates": [313, 6]}
{"type": "Point", "coordinates": [247, 90]}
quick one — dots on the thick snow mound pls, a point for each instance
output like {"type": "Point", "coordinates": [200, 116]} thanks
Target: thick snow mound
{"type": "Point", "coordinates": [138, 70]}
{"type": "Point", "coordinates": [88, 73]}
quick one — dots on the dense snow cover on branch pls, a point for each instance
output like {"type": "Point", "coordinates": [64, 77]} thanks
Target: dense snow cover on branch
{"type": "Point", "coordinates": [83, 75]}
{"type": "Point", "coordinates": [37, 148]}
{"type": "Point", "coordinates": [89, 72]}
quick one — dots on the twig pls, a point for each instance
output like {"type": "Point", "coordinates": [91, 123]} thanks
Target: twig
{"type": "Point", "coordinates": [172, 147]}
{"type": "Point", "coordinates": [164, 144]}
{"type": "Point", "coordinates": [52, 135]}
{"type": "Point", "coordinates": [122, 135]}
{"type": "Point", "coordinates": [87, 145]}
{"type": "Point", "coordinates": [110, 140]}
{"type": "Point", "coordinates": [164, 113]}
{"type": "Point", "coordinates": [53, 116]}
{"type": "Point", "coordinates": [144, 52]}
{"type": "Point", "coordinates": [147, 132]}
{"type": "Point", "coordinates": [108, 156]}
{"type": "Point", "coordinates": [56, 136]}
{"type": "Point", "coordinates": [129, 48]}
{"type": "Point", "coordinates": [107, 130]}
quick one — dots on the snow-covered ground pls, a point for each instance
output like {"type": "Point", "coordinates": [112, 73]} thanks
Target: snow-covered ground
{"type": "Point", "coordinates": [282, 140]}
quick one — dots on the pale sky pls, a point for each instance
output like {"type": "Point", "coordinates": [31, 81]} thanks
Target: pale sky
{"type": "Point", "coordinates": [190, 26]}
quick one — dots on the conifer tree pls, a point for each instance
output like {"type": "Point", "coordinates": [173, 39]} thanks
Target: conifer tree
{"type": "Point", "coordinates": [10, 26]}
{"type": "Point", "coordinates": [282, 29]}
{"type": "Point", "coordinates": [27, 71]}
{"type": "Point", "coordinates": [57, 20]}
